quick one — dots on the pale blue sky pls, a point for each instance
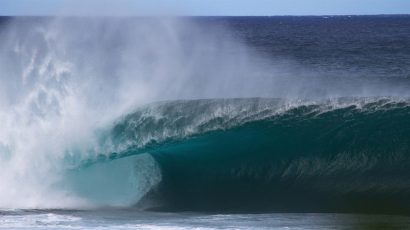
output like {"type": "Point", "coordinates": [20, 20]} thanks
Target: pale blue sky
{"type": "Point", "coordinates": [203, 7]}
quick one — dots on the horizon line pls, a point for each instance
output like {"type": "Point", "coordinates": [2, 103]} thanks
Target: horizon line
{"type": "Point", "coordinates": [277, 15]}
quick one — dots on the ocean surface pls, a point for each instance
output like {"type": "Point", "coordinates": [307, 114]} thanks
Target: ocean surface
{"type": "Point", "coordinates": [205, 123]}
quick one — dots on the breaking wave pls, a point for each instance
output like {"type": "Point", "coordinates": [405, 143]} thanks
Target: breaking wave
{"type": "Point", "coordinates": [346, 154]}
{"type": "Point", "coordinates": [98, 112]}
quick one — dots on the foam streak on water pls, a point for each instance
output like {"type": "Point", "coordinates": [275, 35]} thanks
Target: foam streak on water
{"type": "Point", "coordinates": [127, 219]}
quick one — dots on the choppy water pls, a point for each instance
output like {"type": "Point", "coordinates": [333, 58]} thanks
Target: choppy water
{"type": "Point", "coordinates": [129, 219]}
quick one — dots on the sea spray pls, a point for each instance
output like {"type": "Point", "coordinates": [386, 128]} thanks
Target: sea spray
{"type": "Point", "coordinates": [64, 80]}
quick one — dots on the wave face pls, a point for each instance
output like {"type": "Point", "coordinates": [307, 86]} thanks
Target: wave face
{"type": "Point", "coordinates": [274, 155]}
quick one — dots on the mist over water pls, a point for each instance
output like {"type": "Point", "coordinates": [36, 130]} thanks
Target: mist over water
{"type": "Point", "coordinates": [63, 81]}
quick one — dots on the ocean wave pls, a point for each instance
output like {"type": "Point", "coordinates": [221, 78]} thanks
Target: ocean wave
{"type": "Point", "coordinates": [344, 154]}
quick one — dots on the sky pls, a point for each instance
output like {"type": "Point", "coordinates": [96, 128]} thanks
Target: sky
{"type": "Point", "coordinates": [203, 7]}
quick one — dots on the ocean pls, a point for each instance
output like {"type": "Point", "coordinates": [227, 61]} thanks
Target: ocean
{"type": "Point", "coordinates": [205, 122]}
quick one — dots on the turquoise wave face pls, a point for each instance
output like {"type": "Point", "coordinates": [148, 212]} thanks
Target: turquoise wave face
{"type": "Point", "coordinates": [269, 154]}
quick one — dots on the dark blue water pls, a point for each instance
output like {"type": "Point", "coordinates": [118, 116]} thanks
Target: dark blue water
{"type": "Point", "coordinates": [365, 46]}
